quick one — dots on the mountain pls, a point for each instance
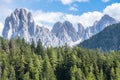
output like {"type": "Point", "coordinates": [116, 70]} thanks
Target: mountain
{"type": "Point", "coordinates": [108, 39]}
{"type": "Point", "coordinates": [65, 32]}
{"type": "Point", "coordinates": [81, 30]}
{"type": "Point", "coordinates": [21, 23]}
{"type": "Point", "coordinates": [98, 26]}
{"type": "Point", "coordinates": [47, 38]}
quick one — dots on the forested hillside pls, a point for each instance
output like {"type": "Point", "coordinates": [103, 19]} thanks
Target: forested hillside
{"type": "Point", "coordinates": [22, 61]}
{"type": "Point", "coordinates": [106, 40]}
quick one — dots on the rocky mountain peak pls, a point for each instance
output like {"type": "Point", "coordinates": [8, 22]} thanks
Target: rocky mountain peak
{"type": "Point", "coordinates": [106, 17]}
{"type": "Point", "coordinates": [21, 23]}
{"type": "Point", "coordinates": [95, 23]}
{"type": "Point", "coordinates": [106, 40]}
{"type": "Point", "coordinates": [105, 21]}
{"type": "Point", "coordinates": [68, 26]}
{"type": "Point", "coordinates": [81, 30]}
{"type": "Point", "coordinates": [98, 26]}
{"type": "Point", "coordinates": [57, 26]}
{"type": "Point", "coordinates": [65, 32]}
{"type": "Point", "coordinates": [67, 23]}
{"type": "Point", "coordinates": [80, 27]}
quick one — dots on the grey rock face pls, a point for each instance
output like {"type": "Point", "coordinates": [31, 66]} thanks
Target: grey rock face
{"type": "Point", "coordinates": [105, 21]}
{"type": "Point", "coordinates": [98, 26]}
{"type": "Point", "coordinates": [47, 38]}
{"type": "Point", "coordinates": [81, 30]}
{"type": "Point", "coordinates": [65, 32]}
{"type": "Point", "coordinates": [21, 23]}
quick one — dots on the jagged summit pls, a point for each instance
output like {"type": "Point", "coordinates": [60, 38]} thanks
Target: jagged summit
{"type": "Point", "coordinates": [108, 39]}
{"type": "Point", "coordinates": [21, 23]}
{"type": "Point", "coordinates": [106, 17]}
{"type": "Point", "coordinates": [105, 21]}
{"type": "Point", "coordinates": [81, 30]}
{"type": "Point", "coordinates": [98, 26]}
{"type": "Point", "coordinates": [65, 32]}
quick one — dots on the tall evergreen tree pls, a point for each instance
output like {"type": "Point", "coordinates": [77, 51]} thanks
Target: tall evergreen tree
{"type": "Point", "coordinates": [39, 48]}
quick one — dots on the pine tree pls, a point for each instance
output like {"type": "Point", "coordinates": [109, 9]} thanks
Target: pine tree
{"type": "Point", "coordinates": [48, 72]}
{"type": "Point", "coordinates": [12, 73]}
{"type": "Point", "coordinates": [112, 74]}
{"type": "Point", "coordinates": [5, 70]}
{"type": "Point", "coordinates": [118, 71]}
{"type": "Point", "coordinates": [76, 73]}
{"type": "Point", "coordinates": [39, 48]}
{"type": "Point", "coordinates": [26, 76]}
{"type": "Point", "coordinates": [33, 46]}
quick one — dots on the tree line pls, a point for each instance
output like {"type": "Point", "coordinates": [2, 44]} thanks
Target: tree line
{"type": "Point", "coordinates": [23, 61]}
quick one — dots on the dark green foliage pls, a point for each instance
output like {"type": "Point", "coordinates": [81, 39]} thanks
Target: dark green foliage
{"type": "Point", "coordinates": [39, 48]}
{"type": "Point", "coordinates": [106, 40]}
{"type": "Point", "coordinates": [33, 45]}
{"type": "Point", "coordinates": [21, 61]}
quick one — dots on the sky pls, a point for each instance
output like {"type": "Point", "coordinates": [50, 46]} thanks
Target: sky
{"type": "Point", "coordinates": [48, 12]}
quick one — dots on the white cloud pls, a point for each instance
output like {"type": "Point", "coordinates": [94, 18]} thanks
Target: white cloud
{"type": "Point", "coordinates": [105, 0]}
{"type": "Point", "coordinates": [4, 12]}
{"type": "Point", "coordinates": [47, 19]}
{"type": "Point", "coordinates": [1, 28]}
{"type": "Point", "coordinates": [90, 17]}
{"type": "Point", "coordinates": [65, 2]}
{"type": "Point", "coordinates": [72, 8]}
{"type": "Point", "coordinates": [113, 10]}
{"type": "Point", "coordinates": [86, 19]}
{"type": "Point", "coordinates": [7, 1]}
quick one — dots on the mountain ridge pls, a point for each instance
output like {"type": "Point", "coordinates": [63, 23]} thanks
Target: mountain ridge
{"type": "Point", "coordinates": [106, 40]}
{"type": "Point", "coordinates": [98, 26]}
{"type": "Point", "coordinates": [21, 23]}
